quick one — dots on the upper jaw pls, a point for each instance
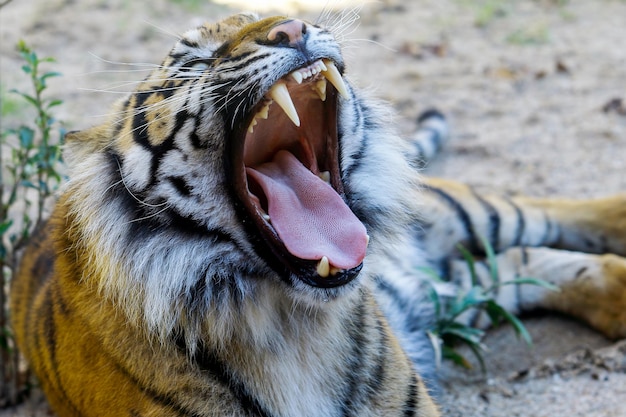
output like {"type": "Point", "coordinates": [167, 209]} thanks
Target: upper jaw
{"type": "Point", "coordinates": [298, 114]}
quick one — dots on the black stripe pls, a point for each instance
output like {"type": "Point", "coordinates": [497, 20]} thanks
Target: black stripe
{"type": "Point", "coordinates": [520, 226]}
{"type": "Point", "coordinates": [378, 373]}
{"type": "Point", "coordinates": [181, 185]}
{"type": "Point", "coordinates": [548, 231]}
{"type": "Point", "coordinates": [430, 114]}
{"type": "Point", "coordinates": [493, 230]}
{"type": "Point", "coordinates": [209, 362]}
{"type": "Point", "coordinates": [189, 43]}
{"type": "Point", "coordinates": [410, 406]}
{"type": "Point", "coordinates": [420, 157]}
{"type": "Point", "coordinates": [355, 368]}
{"type": "Point", "coordinates": [462, 215]}
{"type": "Point", "coordinates": [243, 64]}
{"type": "Point", "coordinates": [164, 400]}
{"type": "Point", "coordinates": [46, 316]}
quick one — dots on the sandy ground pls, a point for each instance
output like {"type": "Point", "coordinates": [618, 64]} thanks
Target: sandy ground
{"type": "Point", "coordinates": [527, 87]}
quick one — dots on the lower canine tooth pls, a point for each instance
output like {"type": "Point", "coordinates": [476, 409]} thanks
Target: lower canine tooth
{"type": "Point", "coordinates": [280, 95]}
{"type": "Point", "coordinates": [325, 176]}
{"type": "Point", "coordinates": [320, 88]}
{"type": "Point", "coordinates": [323, 267]}
{"type": "Point", "coordinates": [332, 74]}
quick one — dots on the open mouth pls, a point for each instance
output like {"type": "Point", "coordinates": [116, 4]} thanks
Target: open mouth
{"type": "Point", "coordinates": [286, 165]}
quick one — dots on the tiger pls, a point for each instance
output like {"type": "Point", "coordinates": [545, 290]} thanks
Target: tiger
{"type": "Point", "coordinates": [247, 236]}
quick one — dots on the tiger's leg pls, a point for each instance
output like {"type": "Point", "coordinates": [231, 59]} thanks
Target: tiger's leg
{"type": "Point", "coordinates": [591, 287]}
{"type": "Point", "coordinates": [589, 273]}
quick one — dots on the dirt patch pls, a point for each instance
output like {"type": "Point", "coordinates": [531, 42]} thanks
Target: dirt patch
{"type": "Point", "coordinates": [535, 94]}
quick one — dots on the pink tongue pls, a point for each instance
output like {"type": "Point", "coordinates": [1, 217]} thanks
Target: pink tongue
{"type": "Point", "coordinates": [309, 216]}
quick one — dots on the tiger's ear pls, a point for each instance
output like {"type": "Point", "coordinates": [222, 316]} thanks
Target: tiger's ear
{"type": "Point", "coordinates": [81, 143]}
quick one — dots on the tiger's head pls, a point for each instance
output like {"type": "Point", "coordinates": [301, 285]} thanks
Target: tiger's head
{"type": "Point", "coordinates": [244, 161]}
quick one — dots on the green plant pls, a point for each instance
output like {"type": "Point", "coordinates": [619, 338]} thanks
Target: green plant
{"type": "Point", "coordinates": [450, 330]}
{"type": "Point", "coordinates": [29, 175]}
{"type": "Point", "coordinates": [489, 11]}
{"type": "Point", "coordinates": [538, 34]}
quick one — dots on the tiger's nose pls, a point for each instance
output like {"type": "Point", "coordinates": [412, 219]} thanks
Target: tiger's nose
{"type": "Point", "coordinates": [288, 33]}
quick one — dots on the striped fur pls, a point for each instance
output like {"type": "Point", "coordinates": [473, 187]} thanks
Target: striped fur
{"type": "Point", "coordinates": [153, 291]}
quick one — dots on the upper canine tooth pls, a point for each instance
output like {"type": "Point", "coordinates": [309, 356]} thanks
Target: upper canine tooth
{"type": "Point", "coordinates": [323, 267]}
{"type": "Point", "coordinates": [280, 95]}
{"type": "Point", "coordinates": [332, 74]}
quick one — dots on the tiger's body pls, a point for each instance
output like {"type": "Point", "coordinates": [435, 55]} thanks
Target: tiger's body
{"type": "Point", "coordinates": [208, 255]}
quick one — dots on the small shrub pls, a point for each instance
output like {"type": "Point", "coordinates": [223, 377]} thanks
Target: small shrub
{"type": "Point", "coordinates": [29, 175]}
{"type": "Point", "coordinates": [449, 331]}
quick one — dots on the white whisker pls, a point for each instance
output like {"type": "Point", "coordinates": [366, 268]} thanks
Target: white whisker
{"type": "Point", "coordinates": [133, 195]}
{"type": "Point", "coordinates": [148, 216]}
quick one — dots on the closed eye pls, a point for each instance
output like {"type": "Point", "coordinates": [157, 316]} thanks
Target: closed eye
{"type": "Point", "coordinates": [197, 65]}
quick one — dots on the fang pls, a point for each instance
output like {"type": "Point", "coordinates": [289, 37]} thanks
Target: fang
{"type": "Point", "coordinates": [323, 267]}
{"type": "Point", "coordinates": [280, 95]}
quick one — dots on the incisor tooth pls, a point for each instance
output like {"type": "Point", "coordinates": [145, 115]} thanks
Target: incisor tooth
{"type": "Point", "coordinates": [280, 95]}
{"type": "Point", "coordinates": [323, 267]}
{"type": "Point", "coordinates": [334, 271]}
{"type": "Point", "coordinates": [332, 74]}
{"type": "Point", "coordinates": [264, 112]}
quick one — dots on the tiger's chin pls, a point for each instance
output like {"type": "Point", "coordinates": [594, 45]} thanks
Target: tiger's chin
{"type": "Point", "coordinates": [287, 178]}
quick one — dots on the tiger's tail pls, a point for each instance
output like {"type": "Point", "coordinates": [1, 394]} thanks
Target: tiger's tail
{"type": "Point", "coordinates": [432, 133]}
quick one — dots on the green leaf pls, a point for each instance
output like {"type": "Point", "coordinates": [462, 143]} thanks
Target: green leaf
{"type": "Point", "coordinates": [434, 297]}
{"type": "Point", "coordinates": [491, 261]}
{"type": "Point", "coordinates": [494, 311]}
{"type": "Point", "coordinates": [498, 311]}
{"type": "Point", "coordinates": [54, 103]}
{"type": "Point", "coordinates": [432, 273]}
{"type": "Point", "coordinates": [27, 69]}
{"type": "Point", "coordinates": [5, 226]}
{"type": "Point", "coordinates": [533, 281]}
{"type": "Point", "coordinates": [468, 334]}
{"type": "Point", "coordinates": [519, 327]}
{"type": "Point", "coordinates": [477, 350]}
{"type": "Point", "coordinates": [470, 261]}
{"type": "Point", "coordinates": [471, 299]}
{"type": "Point", "coordinates": [27, 136]}
{"type": "Point", "coordinates": [28, 184]}
{"type": "Point", "coordinates": [455, 357]}
{"type": "Point", "coordinates": [50, 74]}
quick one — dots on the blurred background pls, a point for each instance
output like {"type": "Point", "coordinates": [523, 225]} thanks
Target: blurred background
{"type": "Point", "coordinates": [535, 91]}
